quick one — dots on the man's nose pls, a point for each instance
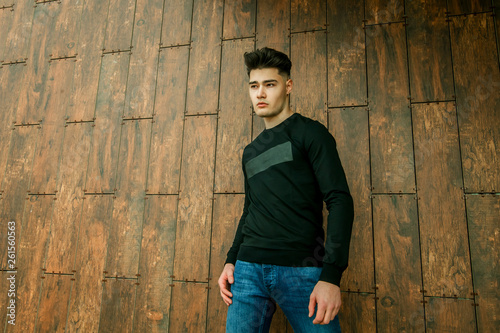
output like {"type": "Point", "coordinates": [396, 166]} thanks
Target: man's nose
{"type": "Point", "coordinates": [261, 93]}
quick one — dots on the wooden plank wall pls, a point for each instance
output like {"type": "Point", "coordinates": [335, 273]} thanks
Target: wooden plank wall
{"type": "Point", "coordinates": [122, 124]}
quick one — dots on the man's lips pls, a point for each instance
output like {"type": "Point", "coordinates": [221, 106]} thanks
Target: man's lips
{"type": "Point", "coordinates": [261, 104]}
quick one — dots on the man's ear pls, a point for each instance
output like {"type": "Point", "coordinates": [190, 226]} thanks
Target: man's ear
{"type": "Point", "coordinates": [289, 86]}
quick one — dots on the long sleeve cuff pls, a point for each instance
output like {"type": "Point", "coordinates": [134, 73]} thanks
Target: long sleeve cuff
{"type": "Point", "coordinates": [331, 274]}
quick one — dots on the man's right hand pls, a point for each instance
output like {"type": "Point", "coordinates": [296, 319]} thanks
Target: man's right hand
{"type": "Point", "coordinates": [226, 279]}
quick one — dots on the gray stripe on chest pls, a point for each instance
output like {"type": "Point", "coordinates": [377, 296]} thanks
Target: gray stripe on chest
{"type": "Point", "coordinates": [278, 154]}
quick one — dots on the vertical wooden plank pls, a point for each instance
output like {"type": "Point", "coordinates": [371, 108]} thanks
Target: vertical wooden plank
{"type": "Point", "coordinates": [176, 27]}
{"type": "Point", "coordinates": [68, 206]}
{"type": "Point", "coordinates": [397, 262]}
{"type": "Point", "coordinates": [235, 117]}
{"type": "Point", "coordinates": [140, 94]}
{"type": "Point", "coordinates": [457, 7]}
{"type": "Point", "coordinates": [308, 15]}
{"type": "Point", "coordinates": [65, 36]}
{"type": "Point", "coordinates": [166, 141]}
{"type": "Point", "coordinates": [346, 54]}
{"type": "Point", "coordinates": [120, 24]}
{"type": "Point", "coordinates": [271, 32]}
{"type": "Point", "coordinates": [227, 212]}
{"type": "Point", "coordinates": [204, 58]}
{"type": "Point", "coordinates": [188, 298]}
{"type": "Point", "coordinates": [86, 294]}
{"type": "Point", "coordinates": [384, 11]}
{"type": "Point", "coordinates": [429, 51]}
{"type": "Point", "coordinates": [484, 238]}
{"type": "Point", "coordinates": [152, 307]}
{"type": "Point", "coordinates": [449, 315]}
{"type": "Point", "coordinates": [54, 300]}
{"type": "Point", "coordinates": [6, 23]}
{"type": "Point", "coordinates": [477, 82]}
{"type": "Point", "coordinates": [7, 284]}
{"type": "Point", "coordinates": [101, 174]}
{"type": "Point", "coordinates": [239, 18]}
{"type": "Point", "coordinates": [16, 30]}
{"type": "Point", "coordinates": [118, 298]}
{"type": "Point", "coordinates": [309, 93]}
{"type": "Point", "coordinates": [195, 199]}
{"type": "Point", "coordinates": [390, 118]}
{"type": "Point", "coordinates": [445, 253]}
{"type": "Point", "coordinates": [357, 313]}
{"type": "Point", "coordinates": [350, 130]}
{"type": "Point", "coordinates": [128, 209]}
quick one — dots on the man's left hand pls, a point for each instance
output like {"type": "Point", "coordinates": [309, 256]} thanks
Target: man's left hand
{"type": "Point", "coordinates": [327, 297]}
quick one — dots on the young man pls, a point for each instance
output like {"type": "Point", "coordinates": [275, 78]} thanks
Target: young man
{"type": "Point", "coordinates": [278, 254]}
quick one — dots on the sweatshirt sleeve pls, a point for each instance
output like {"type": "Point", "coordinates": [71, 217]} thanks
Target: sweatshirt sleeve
{"type": "Point", "coordinates": [325, 161]}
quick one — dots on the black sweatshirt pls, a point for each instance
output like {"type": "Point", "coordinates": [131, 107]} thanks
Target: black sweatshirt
{"type": "Point", "coordinates": [289, 171]}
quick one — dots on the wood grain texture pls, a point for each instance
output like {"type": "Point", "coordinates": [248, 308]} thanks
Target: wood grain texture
{"type": "Point", "coordinates": [280, 324]}
{"type": "Point", "coordinates": [309, 93]}
{"type": "Point", "coordinates": [227, 212]}
{"type": "Point", "coordinates": [166, 142]}
{"type": "Point", "coordinates": [65, 36]}
{"type": "Point", "coordinates": [384, 11]}
{"type": "Point", "coordinates": [235, 117]}
{"type": "Point", "coordinates": [195, 199]}
{"type": "Point", "coordinates": [397, 262]}
{"type": "Point", "coordinates": [68, 206]}
{"type": "Point", "coordinates": [140, 94]}
{"type": "Point", "coordinates": [54, 301]}
{"type": "Point", "coordinates": [104, 149]}
{"type": "Point", "coordinates": [15, 30]}
{"type": "Point", "coordinates": [176, 27]}
{"type": "Point", "coordinates": [390, 118]}
{"type": "Point", "coordinates": [271, 32]}
{"type": "Point", "coordinates": [86, 293]}
{"type": "Point", "coordinates": [6, 24]}
{"type": "Point", "coordinates": [457, 7]}
{"type": "Point", "coordinates": [204, 58]}
{"type": "Point", "coordinates": [128, 208]}
{"type": "Point", "coordinates": [307, 15]}
{"type": "Point", "coordinates": [443, 227]}
{"type": "Point", "coordinates": [449, 315]}
{"type": "Point", "coordinates": [349, 127]}
{"type": "Point", "coordinates": [239, 18]}
{"type": "Point", "coordinates": [346, 54]}
{"type": "Point", "coordinates": [120, 25]}
{"type": "Point", "coordinates": [118, 297]}
{"type": "Point", "coordinates": [152, 307]}
{"type": "Point", "coordinates": [188, 298]}
{"type": "Point", "coordinates": [429, 51]}
{"type": "Point", "coordinates": [358, 313]}
{"type": "Point", "coordinates": [484, 238]}
{"type": "Point", "coordinates": [477, 82]}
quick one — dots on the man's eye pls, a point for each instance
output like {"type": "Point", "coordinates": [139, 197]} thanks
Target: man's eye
{"type": "Point", "coordinates": [270, 84]}
{"type": "Point", "coordinates": [253, 86]}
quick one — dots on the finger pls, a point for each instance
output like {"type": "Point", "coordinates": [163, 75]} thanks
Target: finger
{"type": "Point", "coordinates": [320, 314]}
{"type": "Point", "coordinates": [327, 317]}
{"type": "Point", "coordinates": [230, 277]}
{"type": "Point", "coordinates": [312, 304]}
{"type": "Point", "coordinates": [226, 299]}
{"type": "Point", "coordinates": [226, 292]}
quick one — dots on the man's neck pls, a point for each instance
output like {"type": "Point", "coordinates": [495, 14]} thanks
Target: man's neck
{"type": "Point", "coordinates": [271, 122]}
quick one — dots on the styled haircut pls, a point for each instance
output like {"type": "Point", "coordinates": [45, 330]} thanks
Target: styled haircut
{"type": "Point", "coordinates": [268, 58]}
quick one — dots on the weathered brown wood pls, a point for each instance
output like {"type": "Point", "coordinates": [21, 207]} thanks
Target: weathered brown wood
{"type": "Point", "coordinates": [384, 11]}
{"type": "Point", "coordinates": [101, 174]}
{"type": "Point", "coordinates": [142, 72]}
{"type": "Point", "coordinates": [309, 93]}
{"type": "Point", "coordinates": [457, 7]}
{"type": "Point", "coordinates": [177, 17]}
{"type": "Point", "coordinates": [346, 54]}
{"type": "Point", "coordinates": [279, 324]}
{"type": "Point", "coordinates": [397, 262]}
{"type": "Point", "coordinates": [484, 237]}
{"type": "Point", "coordinates": [445, 254]}
{"type": "Point", "coordinates": [235, 117]}
{"type": "Point", "coordinates": [272, 32]}
{"type": "Point", "coordinates": [429, 52]}
{"type": "Point", "coordinates": [54, 300]}
{"type": "Point", "coordinates": [6, 23]}
{"type": "Point", "coordinates": [477, 82]}
{"type": "Point", "coordinates": [86, 294]}
{"type": "Point", "coordinates": [308, 15]}
{"type": "Point", "coordinates": [120, 25]}
{"type": "Point", "coordinates": [239, 19]}
{"type": "Point", "coordinates": [15, 30]}
{"type": "Point", "coordinates": [128, 208]}
{"type": "Point", "coordinates": [204, 59]}
{"type": "Point", "coordinates": [5, 290]}
{"type": "Point", "coordinates": [118, 297]}
{"type": "Point", "coordinates": [188, 309]}
{"type": "Point", "coordinates": [68, 206]}
{"type": "Point", "coordinates": [152, 307]}
{"type": "Point", "coordinates": [227, 212]}
{"type": "Point", "coordinates": [170, 101]}
{"type": "Point", "coordinates": [350, 130]}
{"type": "Point", "coordinates": [31, 249]}
{"type": "Point", "coordinates": [449, 315]}
{"type": "Point", "coordinates": [195, 199]}
{"type": "Point", "coordinates": [86, 74]}
{"type": "Point", "coordinates": [65, 36]}
{"type": "Point", "coordinates": [357, 313]}
{"type": "Point", "coordinates": [390, 118]}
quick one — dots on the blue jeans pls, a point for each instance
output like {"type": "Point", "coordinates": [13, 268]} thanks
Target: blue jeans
{"type": "Point", "coordinates": [258, 287]}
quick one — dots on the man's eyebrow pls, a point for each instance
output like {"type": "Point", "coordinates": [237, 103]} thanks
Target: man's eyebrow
{"type": "Point", "coordinates": [265, 81]}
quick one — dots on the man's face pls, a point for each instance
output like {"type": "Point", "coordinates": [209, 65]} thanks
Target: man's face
{"type": "Point", "coordinates": [268, 91]}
